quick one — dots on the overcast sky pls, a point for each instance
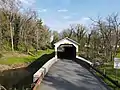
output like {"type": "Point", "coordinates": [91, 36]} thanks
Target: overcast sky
{"type": "Point", "coordinates": [58, 14]}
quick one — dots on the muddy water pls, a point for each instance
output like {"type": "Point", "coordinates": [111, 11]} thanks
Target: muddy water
{"type": "Point", "coordinates": [16, 78]}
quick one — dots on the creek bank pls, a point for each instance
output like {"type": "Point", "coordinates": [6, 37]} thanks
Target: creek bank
{"type": "Point", "coordinates": [4, 67]}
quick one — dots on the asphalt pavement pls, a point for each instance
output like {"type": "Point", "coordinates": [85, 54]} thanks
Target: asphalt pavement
{"type": "Point", "coordinates": [68, 75]}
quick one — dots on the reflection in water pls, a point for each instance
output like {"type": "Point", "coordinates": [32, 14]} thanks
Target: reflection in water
{"type": "Point", "coordinates": [10, 78]}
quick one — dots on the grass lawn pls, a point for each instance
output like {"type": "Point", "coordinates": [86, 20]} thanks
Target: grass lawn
{"type": "Point", "coordinates": [9, 58]}
{"type": "Point", "coordinates": [108, 68]}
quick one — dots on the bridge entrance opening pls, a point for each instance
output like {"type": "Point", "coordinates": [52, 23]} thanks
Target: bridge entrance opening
{"type": "Point", "coordinates": [66, 51]}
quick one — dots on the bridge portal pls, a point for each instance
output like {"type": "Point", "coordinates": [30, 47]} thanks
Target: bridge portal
{"type": "Point", "coordinates": [66, 48]}
{"type": "Point", "coordinates": [66, 51]}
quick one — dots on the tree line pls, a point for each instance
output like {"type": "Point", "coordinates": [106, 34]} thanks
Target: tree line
{"type": "Point", "coordinates": [21, 29]}
{"type": "Point", "coordinates": [99, 42]}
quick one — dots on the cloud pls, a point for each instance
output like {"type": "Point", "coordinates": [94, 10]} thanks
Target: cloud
{"type": "Point", "coordinates": [62, 10]}
{"type": "Point", "coordinates": [61, 24]}
{"type": "Point", "coordinates": [42, 10]}
{"type": "Point", "coordinates": [27, 2]}
{"type": "Point", "coordinates": [67, 17]}
{"type": "Point", "coordinates": [83, 20]}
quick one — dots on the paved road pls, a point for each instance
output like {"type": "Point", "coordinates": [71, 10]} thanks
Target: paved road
{"type": "Point", "coordinates": [67, 75]}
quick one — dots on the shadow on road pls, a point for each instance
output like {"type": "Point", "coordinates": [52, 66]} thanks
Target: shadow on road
{"type": "Point", "coordinates": [23, 77]}
{"type": "Point", "coordinates": [62, 84]}
{"type": "Point", "coordinates": [68, 75]}
{"type": "Point", "coordinates": [82, 63]}
{"type": "Point", "coordinates": [88, 67]}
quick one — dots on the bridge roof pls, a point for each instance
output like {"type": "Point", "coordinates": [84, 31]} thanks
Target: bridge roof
{"type": "Point", "coordinates": [68, 40]}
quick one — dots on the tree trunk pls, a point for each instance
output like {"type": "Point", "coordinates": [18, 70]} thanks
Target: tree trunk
{"type": "Point", "coordinates": [0, 39]}
{"type": "Point", "coordinates": [11, 32]}
{"type": "Point", "coordinates": [37, 40]}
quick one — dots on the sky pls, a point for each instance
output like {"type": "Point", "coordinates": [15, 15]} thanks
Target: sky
{"type": "Point", "coordinates": [59, 14]}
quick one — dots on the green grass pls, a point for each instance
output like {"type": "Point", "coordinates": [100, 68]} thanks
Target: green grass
{"type": "Point", "coordinates": [110, 72]}
{"type": "Point", "coordinates": [41, 52]}
{"type": "Point", "coordinates": [15, 58]}
{"type": "Point", "coordinates": [118, 55]}
{"type": "Point", "coordinates": [111, 85]}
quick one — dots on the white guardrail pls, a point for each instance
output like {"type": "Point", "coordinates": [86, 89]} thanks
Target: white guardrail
{"type": "Point", "coordinates": [44, 69]}
{"type": "Point", "coordinates": [39, 75]}
{"type": "Point", "coordinates": [84, 60]}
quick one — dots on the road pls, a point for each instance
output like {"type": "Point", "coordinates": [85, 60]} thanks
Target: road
{"type": "Point", "coordinates": [68, 75]}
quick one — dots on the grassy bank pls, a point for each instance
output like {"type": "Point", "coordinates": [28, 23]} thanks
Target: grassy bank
{"type": "Point", "coordinates": [9, 58]}
{"type": "Point", "coordinates": [21, 78]}
{"type": "Point", "coordinates": [110, 71]}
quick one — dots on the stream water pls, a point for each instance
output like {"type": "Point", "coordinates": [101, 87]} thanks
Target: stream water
{"type": "Point", "coordinates": [16, 78]}
{"type": "Point", "coordinates": [22, 78]}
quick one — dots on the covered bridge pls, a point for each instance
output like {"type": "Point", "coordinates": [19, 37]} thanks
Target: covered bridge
{"type": "Point", "coordinates": [66, 48]}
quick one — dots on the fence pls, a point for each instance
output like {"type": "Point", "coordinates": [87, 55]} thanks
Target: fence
{"type": "Point", "coordinates": [89, 66]}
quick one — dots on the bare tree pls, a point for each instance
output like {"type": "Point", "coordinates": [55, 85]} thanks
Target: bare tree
{"type": "Point", "coordinates": [109, 32]}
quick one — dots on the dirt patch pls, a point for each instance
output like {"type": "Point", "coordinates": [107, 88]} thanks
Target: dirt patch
{"type": "Point", "coordinates": [4, 67]}
{"type": "Point", "coordinates": [13, 66]}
